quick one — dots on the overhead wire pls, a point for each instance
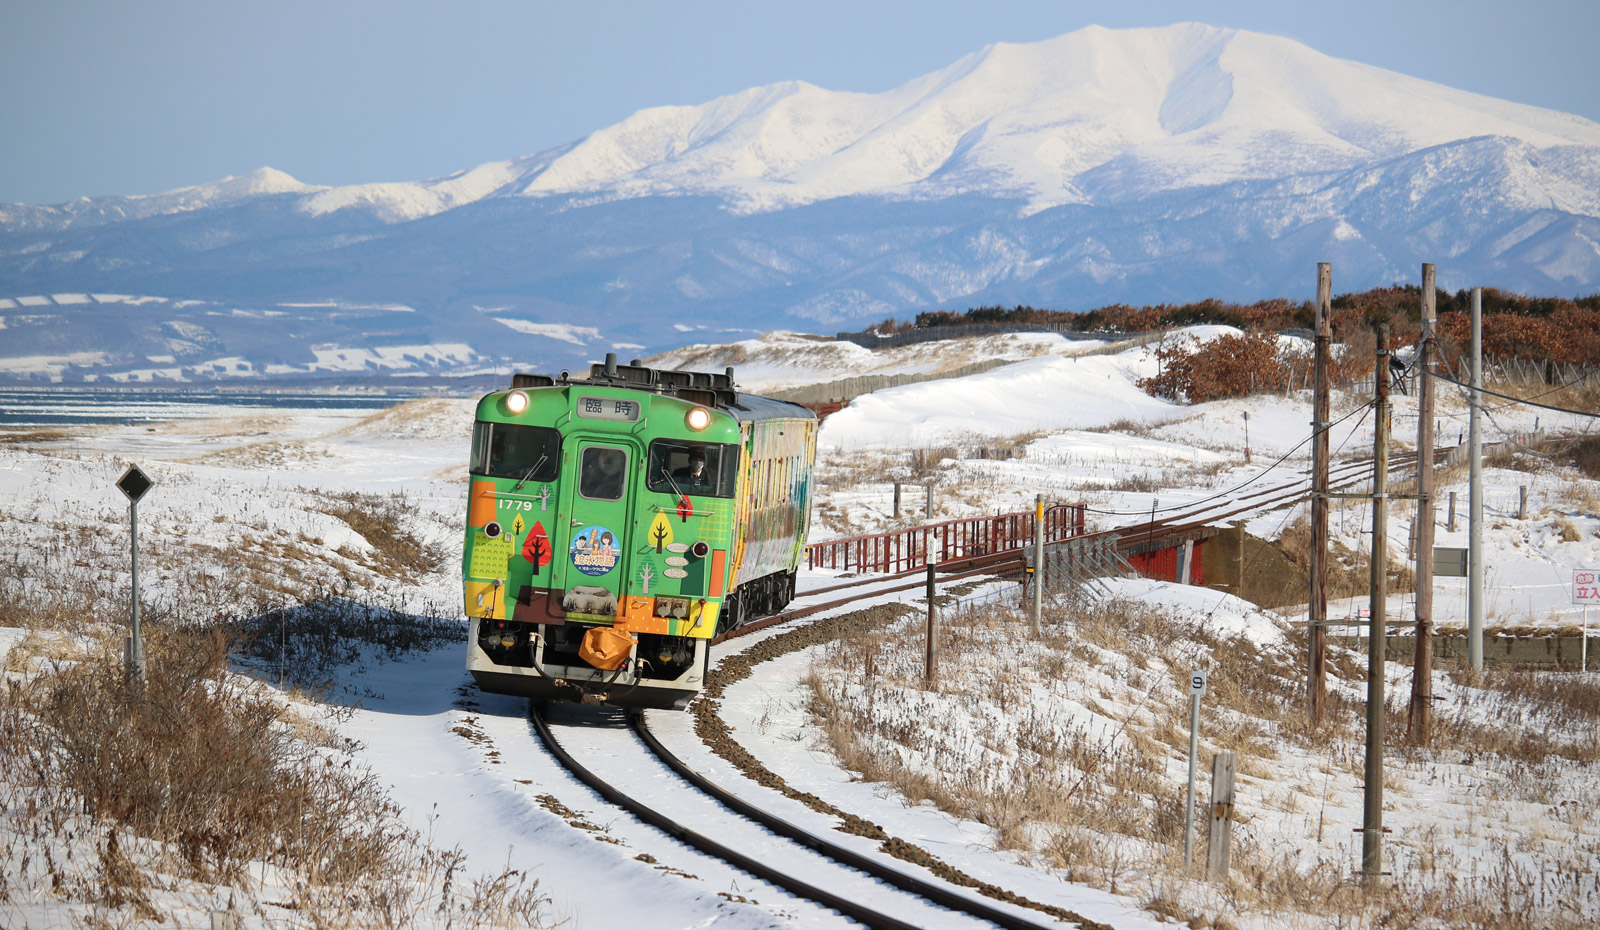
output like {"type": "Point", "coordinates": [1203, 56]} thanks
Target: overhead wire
{"type": "Point", "coordinates": [1186, 505]}
{"type": "Point", "coordinates": [1510, 435]}
{"type": "Point", "coordinates": [1362, 409]}
{"type": "Point", "coordinates": [1515, 401]}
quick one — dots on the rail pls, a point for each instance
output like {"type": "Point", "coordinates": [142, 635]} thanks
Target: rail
{"type": "Point", "coordinates": [759, 867]}
{"type": "Point", "coordinates": [904, 550]}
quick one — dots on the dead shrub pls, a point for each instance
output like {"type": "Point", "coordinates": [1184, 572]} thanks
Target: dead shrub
{"type": "Point", "coordinates": [926, 460]}
{"type": "Point", "coordinates": [381, 520]}
{"type": "Point", "coordinates": [184, 758]}
{"type": "Point", "coordinates": [187, 782]}
{"type": "Point", "coordinates": [1228, 366]}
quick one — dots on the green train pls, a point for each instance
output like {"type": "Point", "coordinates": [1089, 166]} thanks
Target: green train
{"type": "Point", "coordinates": [616, 523]}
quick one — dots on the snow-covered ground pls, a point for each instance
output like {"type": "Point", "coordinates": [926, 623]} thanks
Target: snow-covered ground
{"type": "Point", "coordinates": [263, 493]}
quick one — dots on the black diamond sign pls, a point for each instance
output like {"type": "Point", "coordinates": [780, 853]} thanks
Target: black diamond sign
{"type": "Point", "coordinates": [134, 483]}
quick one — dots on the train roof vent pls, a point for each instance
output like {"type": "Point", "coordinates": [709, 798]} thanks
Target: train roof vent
{"type": "Point", "coordinates": [707, 397]}
{"type": "Point", "coordinates": [636, 375]}
{"type": "Point", "coordinates": [679, 380]}
{"type": "Point", "coordinates": [525, 380]}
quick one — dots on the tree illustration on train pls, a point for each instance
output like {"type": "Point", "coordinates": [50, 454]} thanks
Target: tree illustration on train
{"type": "Point", "coordinates": [616, 523]}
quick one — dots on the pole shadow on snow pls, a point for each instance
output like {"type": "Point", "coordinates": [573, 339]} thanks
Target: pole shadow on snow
{"type": "Point", "coordinates": [344, 652]}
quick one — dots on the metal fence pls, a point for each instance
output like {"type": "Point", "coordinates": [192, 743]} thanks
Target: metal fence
{"type": "Point", "coordinates": [904, 550]}
{"type": "Point", "coordinates": [1074, 568]}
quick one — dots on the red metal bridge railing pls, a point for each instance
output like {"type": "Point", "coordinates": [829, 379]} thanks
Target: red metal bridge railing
{"type": "Point", "coordinates": [903, 550]}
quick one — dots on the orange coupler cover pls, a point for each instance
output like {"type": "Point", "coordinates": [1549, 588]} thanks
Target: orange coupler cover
{"type": "Point", "coordinates": [605, 648]}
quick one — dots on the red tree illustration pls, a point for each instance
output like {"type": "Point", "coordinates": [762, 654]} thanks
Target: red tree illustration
{"type": "Point", "coordinates": [536, 548]}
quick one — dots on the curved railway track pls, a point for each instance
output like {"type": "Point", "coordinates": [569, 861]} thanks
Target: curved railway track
{"type": "Point", "coordinates": [1341, 476]}
{"type": "Point", "coordinates": [931, 894]}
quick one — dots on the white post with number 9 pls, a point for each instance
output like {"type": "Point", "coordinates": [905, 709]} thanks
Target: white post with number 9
{"type": "Point", "coordinates": [1197, 687]}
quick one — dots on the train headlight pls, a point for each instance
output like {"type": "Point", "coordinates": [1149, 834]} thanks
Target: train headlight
{"type": "Point", "coordinates": [698, 418]}
{"type": "Point", "coordinates": [516, 402]}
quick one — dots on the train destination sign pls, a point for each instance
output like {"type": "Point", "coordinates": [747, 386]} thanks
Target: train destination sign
{"type": "Point", "coordinates": [607, 408]}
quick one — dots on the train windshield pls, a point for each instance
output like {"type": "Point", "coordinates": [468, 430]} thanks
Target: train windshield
{"type": "Point", "coordinates": [507, 450]}
{"type": "Point", "coordinates": [705, 469]}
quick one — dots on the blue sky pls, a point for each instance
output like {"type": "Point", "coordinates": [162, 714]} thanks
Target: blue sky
{"type": "Point", "coordinates": [134, 98]}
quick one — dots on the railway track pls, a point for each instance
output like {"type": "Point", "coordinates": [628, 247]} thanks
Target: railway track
{"type": "Point", "coordinates": [1341, 477]}
{"type": "Point", "coordinates": [859, 886]}
{"type": "Point", "coordinates": [838, 878]}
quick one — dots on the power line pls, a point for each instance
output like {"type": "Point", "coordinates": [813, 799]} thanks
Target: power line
{"type": "Point", "coordinates": [1244, 484]}
{"type": "Point", "coordinates": [1515, 400]}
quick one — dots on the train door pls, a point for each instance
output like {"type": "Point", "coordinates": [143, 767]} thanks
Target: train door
{"type": "Point", "coordinates": [599, 509]}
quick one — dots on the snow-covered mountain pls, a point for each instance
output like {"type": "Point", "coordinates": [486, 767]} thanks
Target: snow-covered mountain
{"type": "Point", "coordinates": [1135, 165]}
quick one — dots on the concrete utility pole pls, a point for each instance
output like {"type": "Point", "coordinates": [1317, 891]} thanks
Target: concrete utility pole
{"type": "Point", "coordinates": [1377, 641]}
{"type": "Point", "coordinates": [1475, 507]}
{"type": "Point", "coordinates": [1422, 659]}
{"type": "Point", "coordinates": [1317, 617]}
{"type": "Point", "coordinates": [1197, 687]}
{"type": "Point", "coordinates": [930, 658]}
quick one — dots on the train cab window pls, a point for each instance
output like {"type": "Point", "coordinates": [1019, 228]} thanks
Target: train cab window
{"type": "Point", "coordinates": [508, 450]}
{"type": "Point", "coordinates": [603, 473]}
{"type": "Point", "coordinates": [705, 469]}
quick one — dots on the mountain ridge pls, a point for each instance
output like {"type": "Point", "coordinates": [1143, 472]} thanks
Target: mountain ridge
{"type": "Point", "coordinates": [1095, 167]}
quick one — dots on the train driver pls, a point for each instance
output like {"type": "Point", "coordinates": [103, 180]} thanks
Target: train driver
{"type": "Point", "coordinates": [694, 471]}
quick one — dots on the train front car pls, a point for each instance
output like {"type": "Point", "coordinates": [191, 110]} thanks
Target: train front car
{"type": "Point", "coordinates": [609, 522]}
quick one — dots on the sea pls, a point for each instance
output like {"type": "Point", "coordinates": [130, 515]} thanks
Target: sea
{"type": "Point", "coordinates": [87, 405]}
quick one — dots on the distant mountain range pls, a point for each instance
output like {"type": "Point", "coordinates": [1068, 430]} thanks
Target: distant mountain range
{"type": "Point", "coordinates": [1139, 166]}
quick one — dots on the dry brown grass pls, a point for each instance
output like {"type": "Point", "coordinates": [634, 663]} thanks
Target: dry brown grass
{"type": "Point", "coordinates": [43, 434]}
{"type": "Point", "coordinates": [193, 788]}
{"type": "Point", "coordinates": [273, 455]}
{"type": "Point", "coordinates": [183, 785]}
{"type": "Point", "coordinates": [179, 759]}
{"type": "Point", "coordinates": [1349, 570]}
{"type": "Point", "coordinates": [1096, 799]}
{"type": "Point", "coordinates": [381, 521]}
{"type": "Point", "coordinates": [1127, 427]}
{"type": "Point", "coordinates": [432, 418]}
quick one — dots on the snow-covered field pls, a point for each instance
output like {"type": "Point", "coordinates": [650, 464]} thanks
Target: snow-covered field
{"type": "Point", "coordinates": [254, 512]}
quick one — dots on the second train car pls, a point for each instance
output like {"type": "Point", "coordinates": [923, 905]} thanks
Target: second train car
{"type": "Point", "coordinates": [616, 523]}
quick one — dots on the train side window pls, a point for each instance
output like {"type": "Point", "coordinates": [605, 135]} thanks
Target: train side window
{"type": "Point", "coordinates": [603, 473]}
{"type": "Point", "coordinates": [705, 469]}
{"type": "Point", "coordinates": [509, 450]}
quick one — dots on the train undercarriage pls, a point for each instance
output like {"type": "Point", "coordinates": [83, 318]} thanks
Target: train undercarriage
{"type": "Point", "coordinates": [542, 660]}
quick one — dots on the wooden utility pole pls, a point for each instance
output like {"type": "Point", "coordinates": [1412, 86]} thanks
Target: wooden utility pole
{"type": "Point", "coordinates": [1317, 617]}
{"type": "Point", "coordinates": [1220, 838]}
{"type": "Point", "coordinates": [1038, 563]}
{"type": "Point", "coordinates": [1377, 636]}
{"type": "Point", "coordinates": [1422, 660]}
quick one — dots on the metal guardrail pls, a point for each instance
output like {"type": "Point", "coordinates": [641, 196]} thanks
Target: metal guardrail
{"type": "Point", "coordinates": [903, 550]}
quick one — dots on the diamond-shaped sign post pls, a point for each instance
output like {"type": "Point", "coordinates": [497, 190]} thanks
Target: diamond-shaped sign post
{"type": "Point", "coordinates": [134, 484]}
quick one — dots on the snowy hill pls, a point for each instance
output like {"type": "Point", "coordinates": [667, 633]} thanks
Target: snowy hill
{"type": "Point", "coordinates": [1103, 165]}
{"type": "Point", "coordinates": [269, 502]}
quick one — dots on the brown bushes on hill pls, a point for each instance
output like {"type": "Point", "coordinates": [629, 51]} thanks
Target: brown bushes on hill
{"type": "Point", "coordinates": [1228, 366]}
{"type": "Point", "coordinates": [1540, 328]}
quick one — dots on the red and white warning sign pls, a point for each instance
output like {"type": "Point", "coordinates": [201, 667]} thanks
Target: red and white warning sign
{"type": "Point", "coordinates": [1586, 586]}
